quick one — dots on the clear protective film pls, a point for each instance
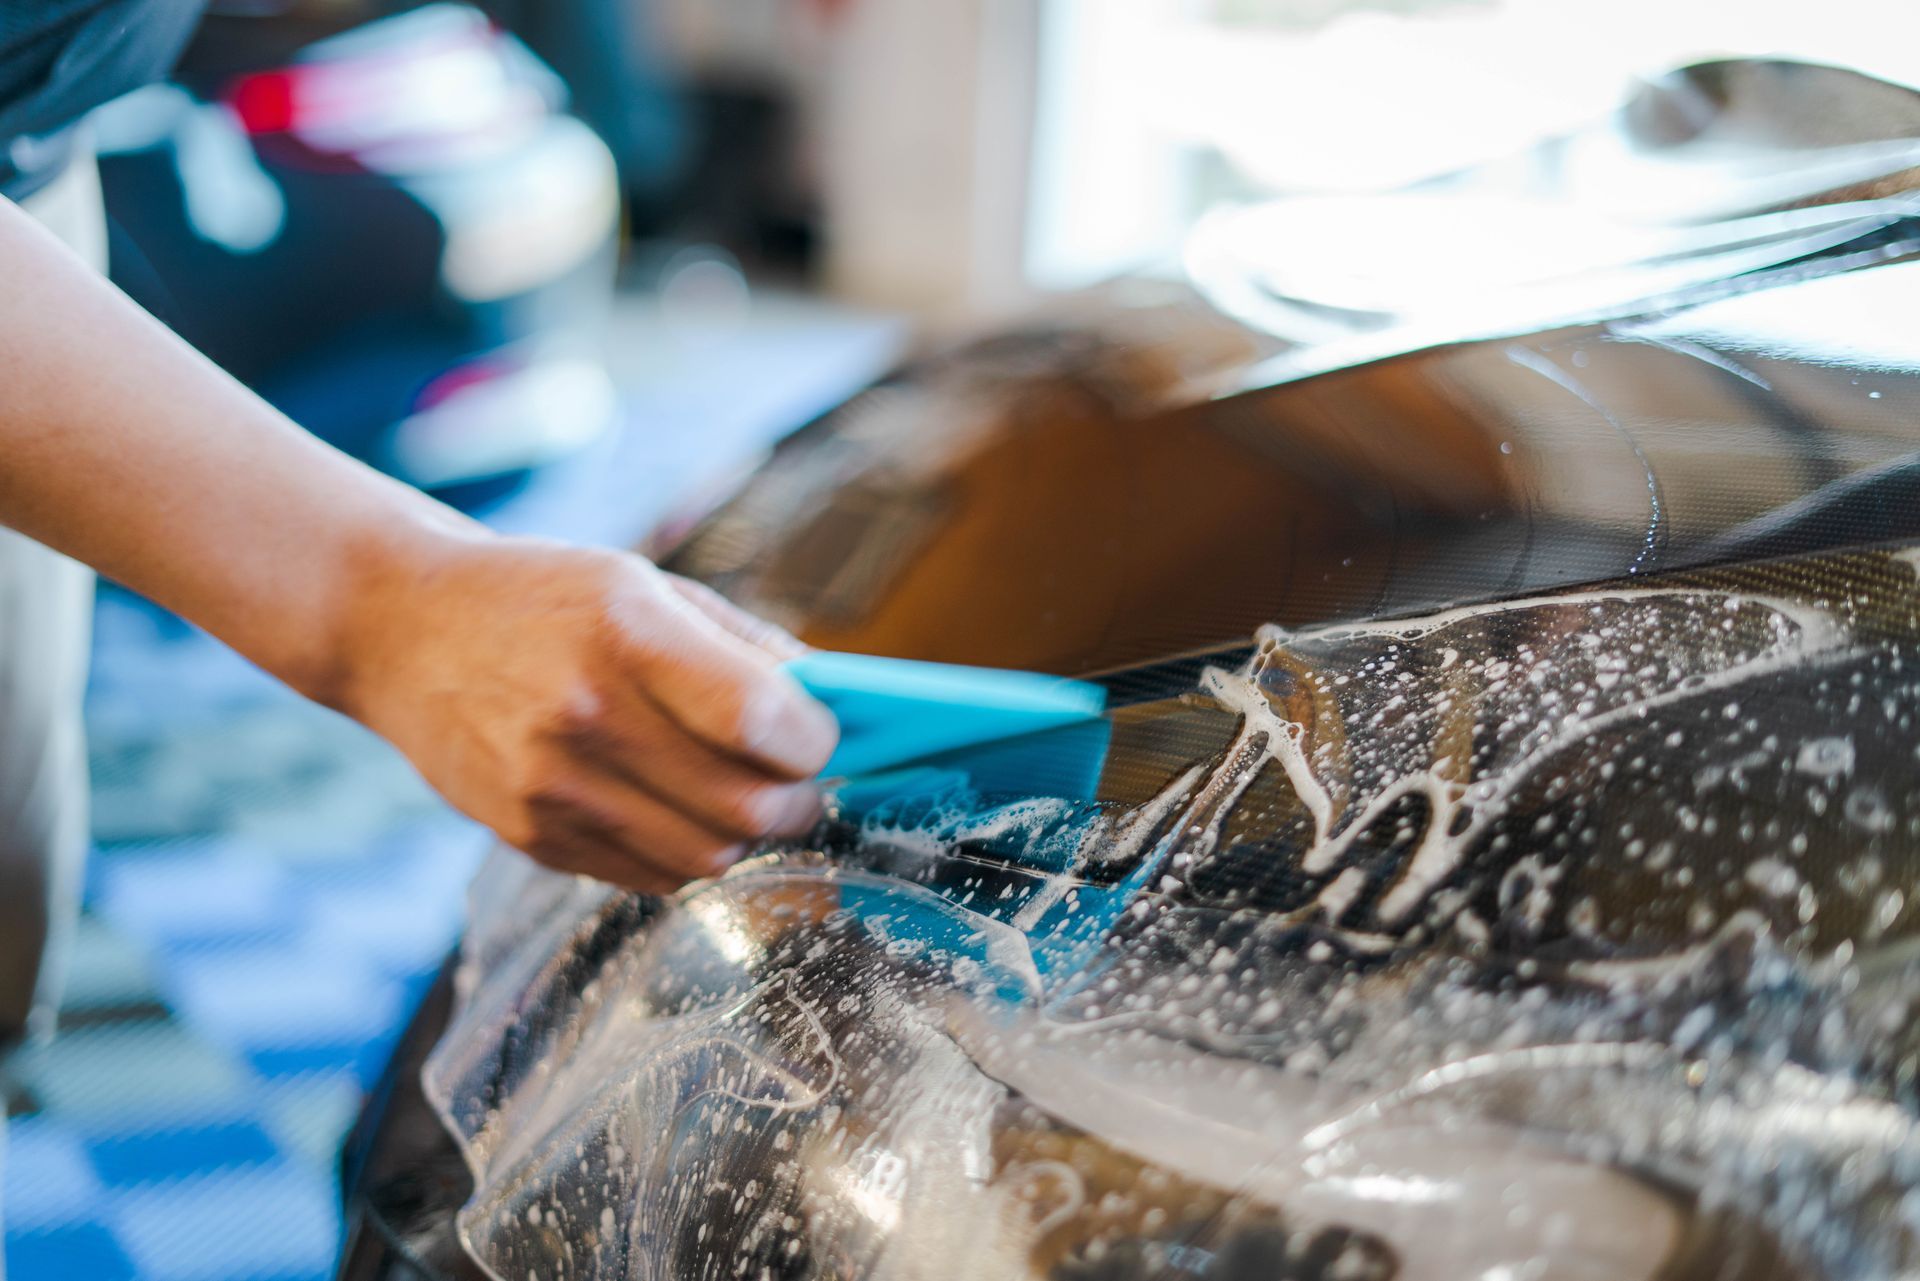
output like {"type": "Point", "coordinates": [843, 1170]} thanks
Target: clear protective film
{"type": "Point", "coordinates": [1565, 937]}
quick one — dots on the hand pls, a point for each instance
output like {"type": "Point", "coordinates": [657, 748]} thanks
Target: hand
{"type": "Point", "coordinates": [600, 715]}
{"type": "Point", "coordinates": [580, 703]}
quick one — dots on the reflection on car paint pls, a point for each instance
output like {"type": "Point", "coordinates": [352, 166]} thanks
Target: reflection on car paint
{"type": "Point", "coordinates": [1704, 175]}
{"type": "Point", "coordinates": [1093, 495]}
{"type": "Point", "coordinates": [1563, 937]}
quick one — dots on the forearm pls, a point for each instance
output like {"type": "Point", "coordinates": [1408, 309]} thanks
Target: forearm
{"type": "Point", "coordinates": [596, 713]}
{"type": "Point", "coordinates": [126, 449]}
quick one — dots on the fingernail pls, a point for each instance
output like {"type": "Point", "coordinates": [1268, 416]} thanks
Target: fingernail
{"type": "Point", "coordinates": [725, 859]}
{"type": "Point", "coordinates": [791, 730]}
{"type": "Point", "coordinates": [791, 810]}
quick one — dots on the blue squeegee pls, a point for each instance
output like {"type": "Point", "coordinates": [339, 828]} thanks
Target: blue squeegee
{"type": "Point", "coordinates": [913, 732]}
{"type": "Point", "coordinates": [893, 711]}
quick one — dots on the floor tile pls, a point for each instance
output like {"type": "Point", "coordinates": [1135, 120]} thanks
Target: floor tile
{"type": "Point", "coordinates": [106, 970]}
{"type": "Point", "coordinates": [268, 1220]}
{"type": "Point", "coordinates": [173, 1152]}
{"type": "Point", "coordinates": [129, 1072]}
{"type": "Point", "coordinates": [46, 1176]}
{"type": "Point", "coordinates": [83, 1252]}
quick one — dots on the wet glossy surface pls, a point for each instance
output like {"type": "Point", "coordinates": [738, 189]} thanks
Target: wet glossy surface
{"type": "Point", "coordinates": [1119, 528]}
{"type": "Point", "coordinates": [1562, 929]}
{"type": "Point", "coordinates": [1564, 937]}
{"type": "Point", "coordinates": [1498, 863]}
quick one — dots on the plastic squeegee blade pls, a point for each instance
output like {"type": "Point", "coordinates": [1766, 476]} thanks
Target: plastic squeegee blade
{"type": "Point", "coordinates": [893, 710]}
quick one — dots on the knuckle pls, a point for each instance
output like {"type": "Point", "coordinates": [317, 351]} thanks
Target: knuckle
{"type": "Point", "coordinates": [580, 718]}
{"type": "Point", "coordinates": [641, 618]}
{"type": "Point", "coordinates": [607, 574]}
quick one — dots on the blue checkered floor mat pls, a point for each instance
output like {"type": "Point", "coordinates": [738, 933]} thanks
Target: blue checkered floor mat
{"type": "Point", "coordinates": [273, 888]}
{"type": "Point", "coordinates": [271, 893]}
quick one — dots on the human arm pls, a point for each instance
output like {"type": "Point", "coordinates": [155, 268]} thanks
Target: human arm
{"type": "Point", "coordinates": [597, 713]}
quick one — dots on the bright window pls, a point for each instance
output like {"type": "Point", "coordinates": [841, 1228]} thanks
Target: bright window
{"type": "Point", "coordinates": [1153, 111]}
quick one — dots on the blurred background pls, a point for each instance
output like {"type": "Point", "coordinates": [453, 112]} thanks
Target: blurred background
{"type": "Point", "coordinates": [574, 264]}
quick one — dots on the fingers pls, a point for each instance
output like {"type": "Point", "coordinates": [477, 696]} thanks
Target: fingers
{"type": "Point", "coordinates": [604, 860]}
{"type": "Point", "coordinates": [729, 692]}
{"type": "Point", "coordinates": [633, 740]}
{"type": "Point", "coordinates": [751, 628]}
{"type": "Point", "coordinates": [607, 829]}
{"type": "Point", "coordinates": [684, 747]}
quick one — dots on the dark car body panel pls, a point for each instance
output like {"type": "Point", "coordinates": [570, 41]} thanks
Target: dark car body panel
{"type": "Point", "coordinates": [1498, 853]}
{"type": "Point", "coordinates": [1122, 522]}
